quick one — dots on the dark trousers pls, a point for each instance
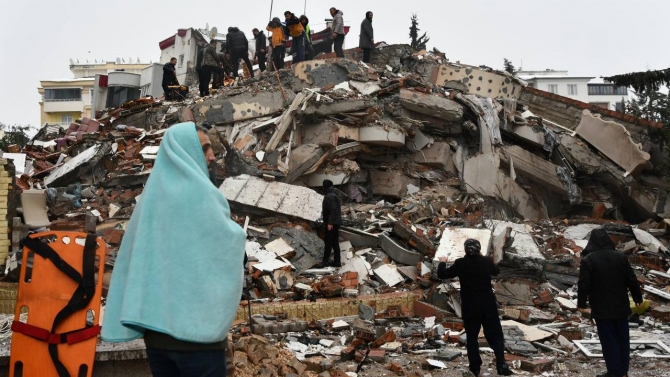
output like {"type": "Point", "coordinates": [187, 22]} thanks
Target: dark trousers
{"type": "Point", "coordinates": [187, 364]}
{"type": "Point", "coordinates": [235, 56]}
{"type": "Point", "coordinates": [166, 91]}
{"type": "Point", "coordinates": [366, 55]}
{"type": "Point", "coordinates": [493, 334]}
{"type": "Point", "coordinates": [205, 76]}
{"type": "Point", "coordinates": [332, 242]}
{"type": "Point", "coordinates": [262, 58]}
{"type": "Point", "coordinates": [298, 46]}
{"type": "Point", "coordinates": [339, 42]}
{"type": "Point", "coordinates": [278, 54]}
{"type": "Point", "coordinates": [615, 341]}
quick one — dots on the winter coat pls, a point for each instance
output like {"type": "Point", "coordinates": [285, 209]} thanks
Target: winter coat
{"type": "Point", "coordinates": [278, 36]}
{"type": "Point", "coordinates": [474, 274]}
{"type": "Point", "coordinates": [169, 77]}
{"type": "Point", "coordinates": [236, 40]}
{"type": "Point", "coordinates": [332, 208]}
{"type": "Point", "coordinates": [294, 26]}
{"type": "Point", "coordinates": [367, 34]}
{"type": "Point", "coordinates": [605, 277]}
{"type": "Point", "coordinates": [261, 42]}
{"type": "Point", "coordinates": [338, 22]}
{"type": "Point", "coordinates": [209, 57]}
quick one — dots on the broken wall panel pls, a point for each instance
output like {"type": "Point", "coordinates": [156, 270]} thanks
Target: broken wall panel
{"type": "Point", "coordinates": [322, 73]}
{"type": "Point", "coordinates": [614, 141]}
{"type": "Point", "coordinates": [438, 155]}
{"type": "Point", "coordinates": [245, 106]}
{"type": "Point", "coordinates": [476, 81]}
{"type": "Point", "coordinates": [391, 183]}
{"type": "Point", "coordinates": [382, 135]}
{"type": "Point", "coordinates": [432, 105]}
{"type": "Point", "coordinates": [533, 167]}
{"type": "Point", "coordinates": [398, 253]}
{"type": "Point", "coordinates": [258, 196]}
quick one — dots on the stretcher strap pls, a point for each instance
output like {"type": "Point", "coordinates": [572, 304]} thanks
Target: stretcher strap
{"type": "Point", "coordinates": [72, 337]}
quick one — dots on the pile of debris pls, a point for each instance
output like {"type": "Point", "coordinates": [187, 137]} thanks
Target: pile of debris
{"type": "Point", "coordinates": [426, 153]}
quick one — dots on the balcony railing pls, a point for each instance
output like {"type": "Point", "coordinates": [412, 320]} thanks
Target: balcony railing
{"type": "Point", "coordinates": [607, 90]}
{"type": "Point", "coordinates": [63, 100]}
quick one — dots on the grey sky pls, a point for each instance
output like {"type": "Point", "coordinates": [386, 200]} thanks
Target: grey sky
{"type": "Point", "coordinates": [587, 37]}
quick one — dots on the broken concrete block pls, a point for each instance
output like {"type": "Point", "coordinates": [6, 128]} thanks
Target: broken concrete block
{"type": "Point", "coordinates": [397, 252]}
{"type": "Point", "coordinates": [501, 236]}
{"type": "Point", "coordinates": [302, 159]}
{"type": "Point", "coordinates": [321, 73]}
{"type": "Point", "coordinates": [382, 135]}
{"type": "Point", "coordinates": [388, 275]}
{"type": "Point", "coordinates": [391, 183]}
{"type": "Point", "coordinates": [348, 133]}
{"type": "Point", "coordinates": [323, 134]}
{"type": "Point", "coordinates": [432, 105]}
{"type": "Point", "coordinates": [420, 243]}
{"type": "Point", "coordinates": [537, 366]}
{"type": "Point", "coordinates": [523, 243]}
{"type": "Point", "coordinates": [579, 155]}
{"type": "Point", "coordinates": [250, 105]}
{"type": "Point", "coordinates": [476, 81]}
{"type": "Point", "coordinates": [369, 88]}
{"type": "Point", "coordinates": [533, 167]}
{"type": "Point", "coordinates": [451, 243]}
{"type": "Point", "coordinates": [359, 238]}
{"type": "Point", "coordinates": [514, 292]}
{"type": "Point", "coordinates": [261, 197]}
{"type": "Point", "coordinates": [433, 125]}
{"type": "Point", "coordinates": [438, 155]}
{"type": "Point", "coordinates": [324, 109]}
{"type": "Point", "coordinates": [78, 166]}
{"type": "Point", "coordinates": [614, 141]}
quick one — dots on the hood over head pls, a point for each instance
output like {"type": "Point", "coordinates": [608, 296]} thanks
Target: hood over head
{"type": "Point", "coordinates": [599, 240]}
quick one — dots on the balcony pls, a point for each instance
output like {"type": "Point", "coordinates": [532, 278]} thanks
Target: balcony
{"type": "Point", "coordinates": [607, 90]}
{"type": "Point", "coordinates": [63, 105]}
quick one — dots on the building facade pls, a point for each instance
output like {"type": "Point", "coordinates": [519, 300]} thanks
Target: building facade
{"type": "Point", "coordinates": [183, 46]}
{"type": "Point", "coordinates": [65, 100]}
{"type": "Point", "coordinates": [580, 88]}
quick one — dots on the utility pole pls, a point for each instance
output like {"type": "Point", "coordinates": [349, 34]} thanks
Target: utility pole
{"type": "Point", "coordinates": [304, 11]}
{"type": "Point", "coordinates": [272, 3]}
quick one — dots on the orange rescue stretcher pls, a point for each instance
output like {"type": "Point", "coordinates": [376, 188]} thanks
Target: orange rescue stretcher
{"type": "Point", "coordinates": [59, 292]}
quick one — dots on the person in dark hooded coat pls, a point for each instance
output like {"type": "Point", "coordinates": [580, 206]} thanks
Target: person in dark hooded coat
{"type": "Point", "coordinates": [478, 303]}
{"type": "Point", "coordinates": [605, 277]}
{"type": "Point", "coordinates": [237, 47]}
{"type": "Point", "coordinates": [367, 39]}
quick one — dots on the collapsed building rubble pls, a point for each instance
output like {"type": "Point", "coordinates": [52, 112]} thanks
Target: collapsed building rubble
{"type": "Point", "coordinates": [426, 153]}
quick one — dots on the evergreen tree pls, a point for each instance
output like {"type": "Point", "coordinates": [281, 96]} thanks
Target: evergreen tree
{"type": "Point", "coordinates": [509, 67]}
{"type": "Point", "coordinates": [417, 43]}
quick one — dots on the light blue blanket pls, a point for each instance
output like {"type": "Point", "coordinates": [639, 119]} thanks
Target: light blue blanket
{"type": "Point", "coordinates": [179, 270]}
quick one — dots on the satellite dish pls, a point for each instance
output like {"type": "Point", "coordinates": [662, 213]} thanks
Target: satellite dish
{"type": "Point", "coordinates": [71, 62]}
{"type": "Point", "coordinates": [213, 33]}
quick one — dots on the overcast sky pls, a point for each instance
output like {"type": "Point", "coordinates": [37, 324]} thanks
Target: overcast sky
{"type": "Point", "coordinates": [586, 37]}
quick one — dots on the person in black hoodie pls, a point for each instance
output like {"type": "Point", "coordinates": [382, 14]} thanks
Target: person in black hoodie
{"type": "Point", "coordinates": [261, 48]}
{"type": "Point", "coordinates": [169, 77]}
{"type": "Point", "coordinates": [332, 219]}
{"type": "Point", "coordinates": [237, 47]}
{"type": "Point", "coordinates": [605, 277]}
{"type": "Point", "coordinates": [478, 303]}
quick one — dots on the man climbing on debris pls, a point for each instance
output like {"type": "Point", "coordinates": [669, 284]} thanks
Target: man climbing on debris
{"type": "Point", "coordinates": [167, 286]}
{"type": "Point", "coordinates": [605, 277]}
{"type": "Point", "coordinates": [367, 39]}
{"type": "Point", "coordinates": [210, 63]}
{"type": "Point", "coordinates": [261, 48]}
{"type": "Point", "coordinates": [332, 219]}
{"type": "Point", "coordinates": [338, 31]}
{"type": "Point", "coordinates": [169, 77]}
{"type": "Point", "coordinates": [277, 42]}
{"type": "Point", "coordinates": [237, 47]}
{"type": "Point", "coordinates": [478, 303]}
{"type": "Point", "coordinates": [297, 34]}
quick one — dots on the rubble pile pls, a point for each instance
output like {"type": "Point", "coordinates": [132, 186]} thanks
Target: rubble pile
{"type": "Point", "coordinates": [426, 153]}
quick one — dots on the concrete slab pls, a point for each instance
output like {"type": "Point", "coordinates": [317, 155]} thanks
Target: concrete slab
{"type": "Point", "coordinates": [388, 275]}
{"type": "Point", "coordinates": [321, 73]}
{"type": "Point", "coordinates": [451, 243]}
{"type": "Point", "coordinates": [523, 245]}
{"type": "Point", "coordinates": [302, 159]}
{"type": "Point", "coordinates": [528, 134]}
{"type": "Point", "coordinates": [579, 155]}
{"type": "Point", "coordinates": [513, 292]}
{"type": "Point", "coordinates": [614, 141]}
{"type": "Point", "coordinates": [533, 167]}
{"type": "Point", "coordinates": [477, 81]}
{"type": "Point", "coordinates": [438, 155]}
{"type": "Point", "coordinates": [324, 109]}
{"type": "Point", "coordinates": [381, 135]}
{"type": "Point", "coordinates": [432, 105]}
{"type": "Point", "coordinates": [397, 252]}
{"type": "Point", "coordinates": [391, 183]}
{"type": "Point", "coordinates": [258, 196]}
{"type": "Point", "coordinates": [324, 134]}
{"type": "Point", "coordinates": [369, 88]}
{"type": "Point", "coordinates": [359, 238]}
{"type": "Point", "coordinates": [245, 106]}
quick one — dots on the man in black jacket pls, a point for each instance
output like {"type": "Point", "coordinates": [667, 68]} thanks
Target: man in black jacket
{"type": "Point", "coordinates": [261, 48]}
{"type": "Point", "coordinates": [237, 47]}
{"type": "Point", "coordinates": [478, 303]}
{"type": "Point", "coordinates": [332, 219]}
{"type": "Point", "coordinates": [169, 77]}
{"type": "Point", "coordinates": [605, 277]}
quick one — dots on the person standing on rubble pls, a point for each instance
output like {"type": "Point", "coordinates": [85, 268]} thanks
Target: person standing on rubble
{"type": "Point", "coordinates": [277, 42]}
{"type": "Point", "coordinates": [309, 49]}
{"type": "Point", "coordinates": [168, 286]}
{"type": "Point", "coordinates": [261, 48]}
{"type": "Point", "coordinates": [210, 64]}
{"type": "Point", "coordinates": [478, 304]}
{"type": "Point", "coordinates": [237, 47]}
{"type": "Point", "coordinates": [338, 31]}
{"type": "Point", "coordinates": [367, 39]}
{"type": "Point", "coordinates": [169, 77]}
{"type": "Point", "coordinates": [605, 277]}
{"type": "Point", "coordinates": [297, 34]}
{"type": "Point", "coordinates": [332, 220]}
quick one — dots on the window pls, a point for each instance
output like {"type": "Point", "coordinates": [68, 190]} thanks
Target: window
{"type": "Point", "coordinates": [90, 93]}
{"type": "Point", "coordinates": [181, 60]}
{"type": "Point", "coordinates": [553, 88]}
{"type": "Point", "coordinates": [607, 90]}
{"type": "Point", "coordinates": [118, 95]}
{"type": "Point", "coordinates": [619, 106]}
{"type": "Point", "coordinates": [572, 89]}
{"type": "Point", "coordinates": [58, 95]}
{"type": "Point", "coordinates": [66, 119]}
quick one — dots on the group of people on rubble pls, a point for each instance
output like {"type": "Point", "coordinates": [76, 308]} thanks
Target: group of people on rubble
{"type": "Point", "coordinates": [215, 67]}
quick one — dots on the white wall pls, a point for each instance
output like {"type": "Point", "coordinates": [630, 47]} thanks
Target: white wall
{"type": "Point", "coordinates": [582, 88]}
{"type": "Point", "coordinates": [182, 46]}
{"type": "Point", "coordinates": [124, 79]}
{"type": "Point", "coordinates": [151, 80]}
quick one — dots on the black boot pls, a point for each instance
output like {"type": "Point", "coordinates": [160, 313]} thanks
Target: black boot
{"type": "Point", "coordinates": [475, 371]}
{"type": "Point", "coordinates": [503, 370]}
